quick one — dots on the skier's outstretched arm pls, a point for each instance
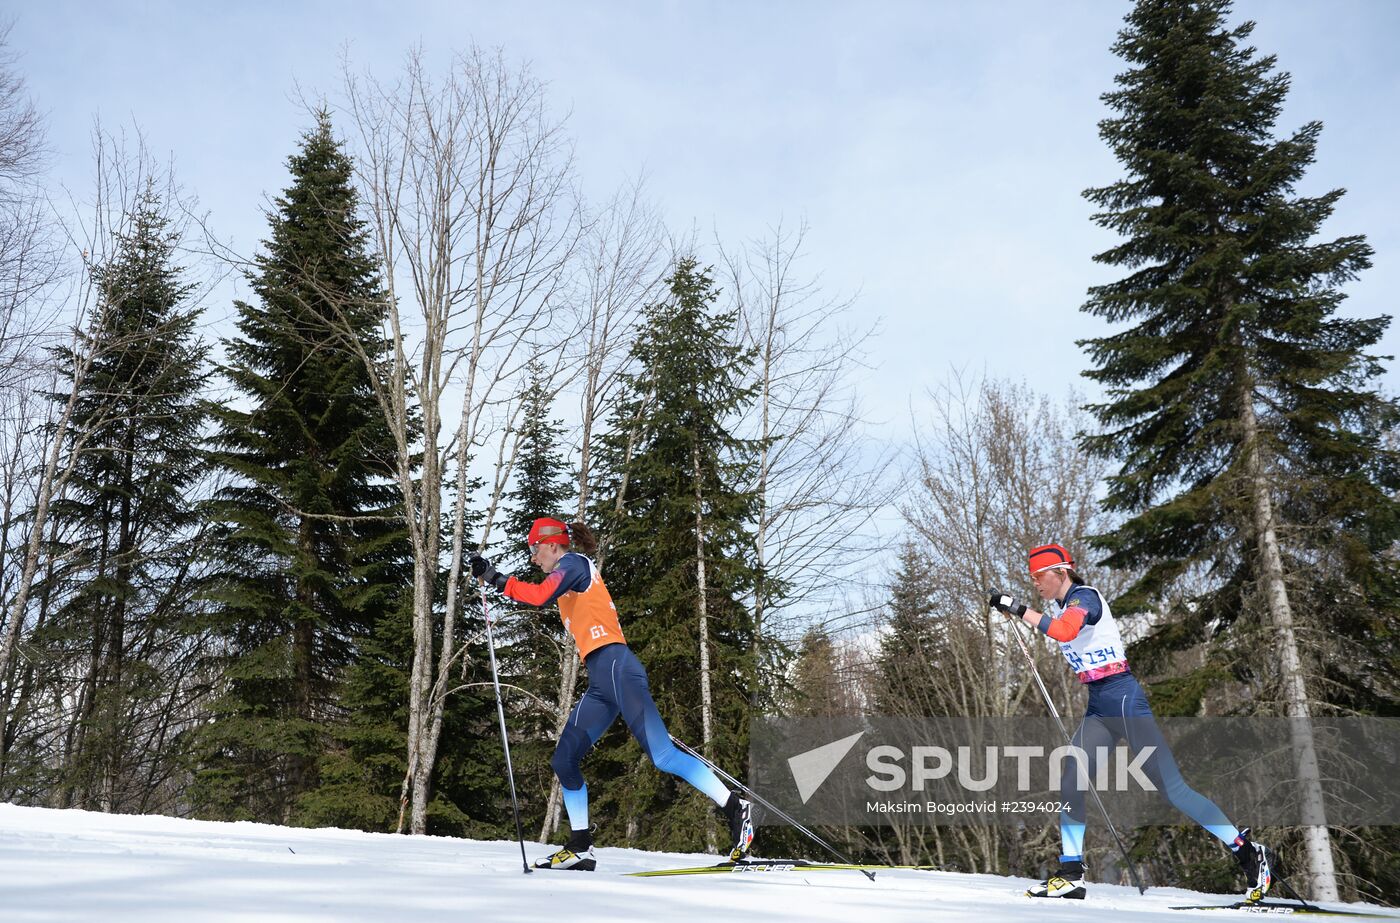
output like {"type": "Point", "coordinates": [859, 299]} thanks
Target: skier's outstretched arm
{"type": "Point", "coordinates": [569, 575]}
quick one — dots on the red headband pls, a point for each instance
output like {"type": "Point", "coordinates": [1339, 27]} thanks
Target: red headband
{"type": "Point", "coordinates": [1048, 556]}
{"type": "Point", "coordinates": [548, 532]}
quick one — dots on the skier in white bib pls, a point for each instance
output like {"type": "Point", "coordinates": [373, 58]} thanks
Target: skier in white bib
{"type": "Point", "coordinates": [1079, 618]}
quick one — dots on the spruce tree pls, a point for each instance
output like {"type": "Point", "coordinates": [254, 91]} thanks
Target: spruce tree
{"type": "Point", "coordinates": [680, 468]}
{"type": "Point", "coordinates": [311, 556]}
{"type": "Point", "coordinates": [1256, 484]}
{"type": "Point", "coordinates": [912, 648]}
{"type": "Point", "coordinates": [129, 520]}
{"type": "Point", "coordinates": [535, 644]}
{"type": "Point", "coordinates": [915, 676]}
{"type": "Point", "coordinates": [818, 689]}
{"type": "Point", "coordinates": [543, 486]}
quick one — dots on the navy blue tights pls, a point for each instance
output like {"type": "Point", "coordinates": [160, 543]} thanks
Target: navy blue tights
{"type": "Point", "coordinates": [617, 685]}
{"type": "Point", "coordinates": [1118, 709]}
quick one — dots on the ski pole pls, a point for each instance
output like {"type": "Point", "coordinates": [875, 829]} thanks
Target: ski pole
{"type": "Point", "coordinates": [769, 806]}
{"type": "Point", "coordinates": [1054, 712]}
{"type": "Point", "coordinates": [505, 740]}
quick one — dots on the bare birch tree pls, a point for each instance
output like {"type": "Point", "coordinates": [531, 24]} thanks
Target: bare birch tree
{"type": "Point", "coordinates": [28, 265]}
{"type": "Point", "coordinates": [466, 184]}
{"type": "Point", "coordinates": [93, 237]}
{"type": "Point", "coordinates": [29, 257]}
{"type": "Point", "coordinates": [820, 480]}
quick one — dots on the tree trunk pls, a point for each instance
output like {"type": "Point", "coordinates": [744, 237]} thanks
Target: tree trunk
{"type": "Point", "coordinates": [421, 762]}
{"type": "Point", "coordinates": [1317, 841]}
{"type": "Point", "coordinates": [706, 701]}
{"type": "Point", "coordinates": [437, 702]}
{"type": "Point", "coordinates": [425, 564]}
{"type": "Point", "coordinates": [420, 768]}
{"type": "Point", "coordinates": [761, 536]}
{"type": "Point", "coordinates": [78, 768]}
{"type": "Point", "coordinates": [568, 678]}
{"type": "Point", "coordinates": [24, 677]}
{"type": "Point", "coordinates": [113, 735]}
{"type": "Point", "coordinates": [51, 482]}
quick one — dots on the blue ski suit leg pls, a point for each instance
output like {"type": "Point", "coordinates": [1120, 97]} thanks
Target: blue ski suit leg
{"type": "Point", "coordinates": [1118, 710]}
{"type": "Point", "coordinates": [617, 684]}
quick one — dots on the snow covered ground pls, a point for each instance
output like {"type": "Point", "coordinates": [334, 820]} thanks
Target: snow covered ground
{"type": "Point", "coordinates": [73, 866]}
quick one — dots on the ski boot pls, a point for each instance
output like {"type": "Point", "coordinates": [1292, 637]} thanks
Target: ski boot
{"type": "Point", "coordinates": [739, 813]}
{"type": "Point", "coordinates": [1068, 882]}
{"type": "Point", "coordinates": [577, 854]}
{"type": "Point", "coordinates": [1256, 861]}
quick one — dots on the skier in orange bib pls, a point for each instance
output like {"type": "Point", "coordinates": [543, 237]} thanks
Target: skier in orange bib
{"type": "Point", "coordinates": [617, 685]}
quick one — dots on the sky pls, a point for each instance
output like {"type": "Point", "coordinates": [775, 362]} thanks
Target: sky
{"type": "Point", "coordinates": [936, 149]}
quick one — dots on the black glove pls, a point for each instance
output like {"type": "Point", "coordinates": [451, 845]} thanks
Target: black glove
{"type": "Point", "coordinates": [483, 570]}
{"type": "Point", "coordinates": [1005, 602]}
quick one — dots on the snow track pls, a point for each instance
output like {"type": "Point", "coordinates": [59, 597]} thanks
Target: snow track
{"type": "Point", "coordinates": [76, 866]}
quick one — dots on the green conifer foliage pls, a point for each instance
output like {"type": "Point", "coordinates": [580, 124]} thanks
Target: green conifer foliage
{"type": "Point", "coordinates": [1230, 301]}
{"type": "Point", "coordinates": [912, 648]}
{"type": "Point", "coordinates": [312, 558]}
{"type": "Point", "coordinates": [672, 443]}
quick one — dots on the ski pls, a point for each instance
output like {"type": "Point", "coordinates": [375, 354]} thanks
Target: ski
{"type": "Point", "coordinates": [762, 866]}
{"type": "Point", "coordinates": [1283, 907]}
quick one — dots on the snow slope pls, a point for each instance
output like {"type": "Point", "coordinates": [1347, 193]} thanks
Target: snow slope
{"type": "Point", "coordinates": [75, 866]}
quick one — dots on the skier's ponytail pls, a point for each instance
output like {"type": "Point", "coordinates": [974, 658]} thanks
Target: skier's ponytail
{"type": "Point", "coordinates": [582, 539]}
{"type": "Point", "coordinates": [1074, 577]}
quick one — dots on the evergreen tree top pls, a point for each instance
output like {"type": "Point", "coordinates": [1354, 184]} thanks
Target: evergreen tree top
{"type": "Point", "coordinates": [317, 272]}
{"type": "Point", "coordinates": [543, 485]}
{"type": "Point", "coordinates": [317, 238]}
{"type": "Point", "coordinates": [142, 281]}
{"type": "Point", "coordinates": [1229, 294]}
{"type": "Point", "coordinates": [1228, 307]}
{"type": "Point", "coordinates": [689, 364]}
